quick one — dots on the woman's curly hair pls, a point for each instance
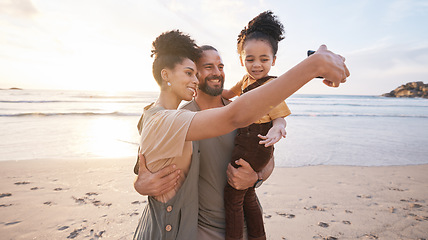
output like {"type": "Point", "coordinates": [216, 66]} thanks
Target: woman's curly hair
{"type": "Point", "coordinates": [265, 26]}
{"type": "Point", "coordinates": [171, 48]}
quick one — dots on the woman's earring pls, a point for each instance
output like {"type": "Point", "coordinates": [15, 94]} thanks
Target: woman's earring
{"type": "Point", "coordinates": [168, 83]}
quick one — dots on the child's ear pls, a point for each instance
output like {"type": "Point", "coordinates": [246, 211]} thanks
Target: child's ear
{"type": "Point", "coordinates": [273, 61]}
{"type": "Point", "coordinates": [240, 59]}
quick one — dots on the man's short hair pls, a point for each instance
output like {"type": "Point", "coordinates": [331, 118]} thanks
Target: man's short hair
{"type": "Point", "coordinates": [207, 47]}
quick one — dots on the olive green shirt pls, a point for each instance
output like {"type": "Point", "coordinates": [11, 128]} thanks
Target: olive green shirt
{"type": "Point", "coordinates": [215, 155]}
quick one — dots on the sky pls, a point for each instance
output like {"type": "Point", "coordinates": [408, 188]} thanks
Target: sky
{"type": "Point", "coordinates": [105, 44]}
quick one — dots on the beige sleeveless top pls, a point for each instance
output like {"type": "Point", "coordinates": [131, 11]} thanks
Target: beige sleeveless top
{"type": "Point", "coordinates": [163, 142]}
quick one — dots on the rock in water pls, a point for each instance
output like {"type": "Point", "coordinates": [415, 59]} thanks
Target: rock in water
{"type": "Point", "coordinates": [410, 90]}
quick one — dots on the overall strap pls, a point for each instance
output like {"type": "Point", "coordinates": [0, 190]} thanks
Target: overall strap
{"type": "Point", "coordinates": [257, 83]}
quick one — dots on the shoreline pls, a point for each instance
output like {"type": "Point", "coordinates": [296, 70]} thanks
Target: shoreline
{"type": "Point", "coordinates": [89, 159]}
{"type": "Point", "coordinates": [94, 198]}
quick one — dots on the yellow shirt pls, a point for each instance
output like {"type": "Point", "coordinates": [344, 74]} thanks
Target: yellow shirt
{"type": "Point", "coordinates": [278, 111]}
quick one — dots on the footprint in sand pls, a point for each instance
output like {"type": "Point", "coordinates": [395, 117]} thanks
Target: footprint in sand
{"type": "Point", "coordinates": [76, 232]}
{"type": "Point", "coordinates": [97, 235]}
{"type": "Point", "coordinates": [412, 200]}
{"type": "Point", "coordinates": [421, 218]}
{"type": "Point", "coordinates": [5, 195]}
{"type": "Point", "coordinates": [325, 238]}
{"type": "Point", "coordinates": [22, 183]}
{"type": "Point", "coordinates": [63, 228]}
{"type": "Point", "coordinates": [364, 196]}
{"type": "Point", "coordinates": [330, 238]}
{"type": "Point", "coordinates": [314, 207]}
{"type": "Point", "coordinates": [415, 205]}
{"type": "Point", "coordinates": [396, 189]}
{"type": "Point", "coordinates": [371, 236]}
{"type": "Point", "coordinates": [286, 215]}
{"type": "Point", "coordinates": [134, 214]}
{"type": "Point", "coordinates": [418, 218]}
{"type": "Point", "coordinates": [12, 223]}
{"type": "Point", "coordinates": [85, 200]}
{"type": "Point", "coordinates": [323, 224]}
{"type": "Point", "coordinates": [79, 200]}
{"type": "Point", "coordinates": [99, 203]}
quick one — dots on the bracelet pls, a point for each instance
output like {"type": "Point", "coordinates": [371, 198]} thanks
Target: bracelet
{"type": "Point", "coordinates": [259, 181]}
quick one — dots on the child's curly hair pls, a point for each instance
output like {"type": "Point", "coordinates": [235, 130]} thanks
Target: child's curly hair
{"type": "Point", "coordinates": [170, 48]}
{"type": "Point", "coordinates": [265, 26]}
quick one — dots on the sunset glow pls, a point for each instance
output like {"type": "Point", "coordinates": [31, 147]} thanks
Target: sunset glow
{"type": "Point", "coordinates": [105, 45]}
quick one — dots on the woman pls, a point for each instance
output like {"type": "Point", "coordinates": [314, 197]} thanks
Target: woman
{"type": "Point", "coordinates": [167, 132]}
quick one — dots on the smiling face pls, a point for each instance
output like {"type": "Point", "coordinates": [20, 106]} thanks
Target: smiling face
{"type": "Point", "coordinates": [210, 73]}
{"type": "Point", "coordinates": [182, 79]}
{"type": "Point", "coordinates": [257, 57]}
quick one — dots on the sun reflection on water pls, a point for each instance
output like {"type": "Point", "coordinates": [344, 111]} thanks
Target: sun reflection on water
{"type": "Point", "coordinates": [110, 137]}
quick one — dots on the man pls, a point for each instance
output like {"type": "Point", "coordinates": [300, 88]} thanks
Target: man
{"type": "Point", "coordinates": [215, 155]}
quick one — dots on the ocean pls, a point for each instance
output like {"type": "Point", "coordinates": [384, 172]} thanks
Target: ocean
{"type": "Point", "coordinates": [322, 130]}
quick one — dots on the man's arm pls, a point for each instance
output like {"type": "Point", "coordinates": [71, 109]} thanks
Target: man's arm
{"type": "Point", "coordinates": [155, 184]}
{"type": "Point", "coordinates": [244, 177]}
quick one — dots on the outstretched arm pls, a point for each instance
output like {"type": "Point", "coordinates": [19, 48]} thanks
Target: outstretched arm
{"type": "Point", "coordinates": [248, 108]}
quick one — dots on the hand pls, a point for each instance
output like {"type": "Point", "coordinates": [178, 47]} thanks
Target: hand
{"type": "Point", "coordinates": [155, 184]}
{"type": "Point", "coordinates": [273, 136]}
{"type": "Point", "coordinates": [243, 177]}
{"type": "Point", "coordinates": [335, 70]}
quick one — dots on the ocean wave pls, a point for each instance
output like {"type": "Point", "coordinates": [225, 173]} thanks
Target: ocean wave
{"type": "Point", "coordinates": [133, 114]}
{"type": "Point", "coordinates": [103, 97]}
{"type": "Point", "coordinates": [356, 115]}
{"type": "Point", "coordinates": [66, 101]}
{"type": "Point", "coordinates": [39, 114]}
{"type": "Point", "coordinates": [32, 101]}
{"type": "Point", "coordinates": [290, 103]}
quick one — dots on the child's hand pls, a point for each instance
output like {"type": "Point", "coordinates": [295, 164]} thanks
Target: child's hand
{"type": "Point", "coordinates": [273, 136]}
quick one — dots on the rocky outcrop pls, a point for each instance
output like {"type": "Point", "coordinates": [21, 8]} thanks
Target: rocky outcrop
{"type": "Point", "coordinates": [13, 88]}
{"type": "Point", "coordinates": [410, 90]}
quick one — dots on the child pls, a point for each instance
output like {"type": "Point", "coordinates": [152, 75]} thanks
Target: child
{"type": "Point", "coordinates": [257, 47]}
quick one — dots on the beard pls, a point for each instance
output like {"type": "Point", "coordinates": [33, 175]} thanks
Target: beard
{"type": "Point", "coordinates": [210, 90]}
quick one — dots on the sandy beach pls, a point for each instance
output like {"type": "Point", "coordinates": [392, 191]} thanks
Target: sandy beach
{"type": "Point", "coordinates": [95, 199]}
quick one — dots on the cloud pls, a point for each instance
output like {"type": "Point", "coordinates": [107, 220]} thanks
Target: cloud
{"type": "Point", "coordinates": [400, 10]}
{"type": "Point", "coordinates": [380, 69]}
{"type": "Point", "coordinates": [391, 56]}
